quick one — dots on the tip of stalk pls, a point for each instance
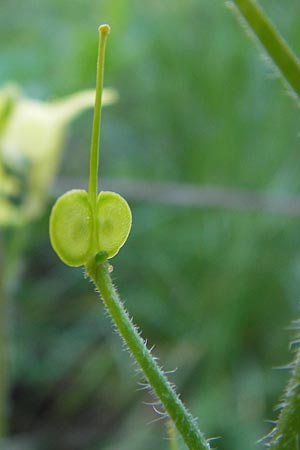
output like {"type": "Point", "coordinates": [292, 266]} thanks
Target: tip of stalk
{"type": "Point", "coordinates": [105, 29]}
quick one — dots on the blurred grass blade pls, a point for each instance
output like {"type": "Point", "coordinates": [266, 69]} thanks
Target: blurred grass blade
{"type": "Point", "coordinates": [277, 49]}
{"type": "Point", "coordinates": [172, 436]}
{"type": "Point", "coordinates": [4, 349]}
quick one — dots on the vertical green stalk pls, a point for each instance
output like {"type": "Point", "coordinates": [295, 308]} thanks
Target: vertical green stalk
{"type": "Point", "coordinates": [95, 141]}
{"type": "Point", "coordinates": [3, 344]}
{"type": "Point", "coordinates": [171, 402]}
{"type": "Point", "coordinates": [277, 49]}
{"type": "Point", "coordinates": [94, 158]}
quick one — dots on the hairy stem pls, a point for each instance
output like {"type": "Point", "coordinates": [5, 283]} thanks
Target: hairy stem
{"type": "Point", "coordinates": [277, 49]}
{"type": "Point", "coordinates": [286, 433]}
{"type": "Point", "coordinates": [182, 419]}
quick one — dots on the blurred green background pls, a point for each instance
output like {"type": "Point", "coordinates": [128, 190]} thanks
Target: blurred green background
{"type": "Point", "coordinates": [212, 287]}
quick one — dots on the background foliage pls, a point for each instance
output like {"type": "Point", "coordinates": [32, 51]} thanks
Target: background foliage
{"type": "Point", "coordinates": [212, 288]}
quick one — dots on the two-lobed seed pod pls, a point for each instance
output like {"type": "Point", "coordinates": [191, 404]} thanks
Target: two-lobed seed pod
{"type": "Point", "coordinates": [77, 232]}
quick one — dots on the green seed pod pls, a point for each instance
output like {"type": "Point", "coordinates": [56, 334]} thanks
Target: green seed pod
{"type": "Point", "coordinates": [113, 222]}
{"type": "Point", "coordinates": [71, 227]}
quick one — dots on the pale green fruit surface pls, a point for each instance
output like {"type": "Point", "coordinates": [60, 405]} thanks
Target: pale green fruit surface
{"type": "Point", "coordinates": [71, 227]}
{"type": "Point", "coordinates": [113, 222]}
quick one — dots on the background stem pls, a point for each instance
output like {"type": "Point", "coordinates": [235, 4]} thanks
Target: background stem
{"type": "Point", "coordinates": [172, 436]}
{"type": "Point", "coordinates": [182, 419]}
{"type": "Point", "coordinates": [4, 359]}
{"type": "Point", "coordinates": [277, 49]}
{"type": "Point", "coordinates": [286, 433]}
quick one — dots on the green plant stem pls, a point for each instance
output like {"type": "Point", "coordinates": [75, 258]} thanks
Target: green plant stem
{"type": "Point", "coordinates": [282, 56]}
{"type": "Point", "coordinates": [286, 433]}
{"type": "Point", "coordinates": [182, 419]}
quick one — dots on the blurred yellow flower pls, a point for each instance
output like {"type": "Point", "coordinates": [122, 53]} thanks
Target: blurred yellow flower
{"type": "Point", "coordinates": [31, 141]}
